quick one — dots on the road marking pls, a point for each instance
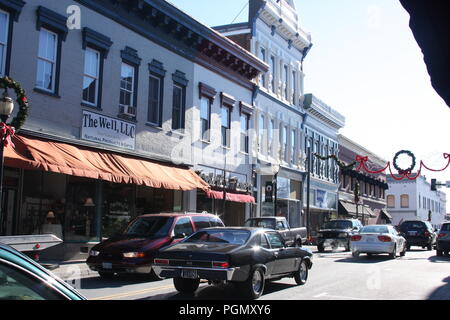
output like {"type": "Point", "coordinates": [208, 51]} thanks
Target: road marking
{"type": "Point", "coordinates": [325, 294]}
{"type": "Point", "coordinates": [132, 293]}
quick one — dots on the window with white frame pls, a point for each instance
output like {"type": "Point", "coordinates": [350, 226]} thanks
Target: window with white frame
{"type": "Point", "coordinates": [273, 72]}
{"type": "Point", "coordinates": [47, 59]}
{"type": "Point", "coordinates": [4, 30]}
{"type": "Point", "coordinates": [293, 134]}
{"type": "Point", "coordinates": [226, 125]}
{"type": "Point", "coordinates": [127, 80]}
{"type": "Point", "coordinates": [285, 144]}
{"type": "Point", "coordinates": [245, 120]}
{"type": "Point", "coordinates": [154, 100]}
{"type": "Point", "coordinates": [261, 129]}
{"type": "Point", "coordinates": [270, 136]}
{"type": "Point", "coordinates": [294, 87]}
{"type": "Point", "coordinates": [286, 81]}
{"type": "Point", "coordinates": [91, 76]}
{"type": "Point", "coordinates": [262, 56]}
{"type": "Point", "coordinates": [205, 118]}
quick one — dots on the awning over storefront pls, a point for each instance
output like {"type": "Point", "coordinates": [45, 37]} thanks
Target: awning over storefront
{"type": "Point", "coordinates": [33, 153]}
{"type": "Point", "coordinates": [351, 210]}
{"type": "Point", "coordinates": [235, 197]}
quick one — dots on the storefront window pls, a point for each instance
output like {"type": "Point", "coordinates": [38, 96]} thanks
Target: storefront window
{"type": "Point", "coordinates": [151, 200]}
{"type": "Point", "coordinates": [81, 224]}
{"type": "Point", "coordinates": [43, 202]}
{"type": "Point", "coordinates": [118, 207]}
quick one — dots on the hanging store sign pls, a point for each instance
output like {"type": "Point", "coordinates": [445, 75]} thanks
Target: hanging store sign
{"type": "Point", "coordinates": [101, 129]}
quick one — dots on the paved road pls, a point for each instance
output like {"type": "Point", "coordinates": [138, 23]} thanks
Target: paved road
{"type": "Point", "coordinates": [335, 276]}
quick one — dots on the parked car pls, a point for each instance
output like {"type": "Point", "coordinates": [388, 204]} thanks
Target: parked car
{"type": "Point", "coordinates": [133, 250]}
{"type": "Point", "coordinates": [21, 278]}
{"type": "Point", "coordinates": [337, 233]}
{"type": "Point", "coordinates": [418, 233]}
{"type": "Point", "coordinates": [291, 236]}
{"type": "Point", "coordinates": [376, 239]}
{"type": "Point", "coordinates": [243, 256]}
{"type": "Point", "coordinates": [443, 240]}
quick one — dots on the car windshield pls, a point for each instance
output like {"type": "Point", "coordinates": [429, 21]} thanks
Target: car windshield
{"type": "Point", "coordinates": [445, 227]}
{"type": "Point", "coordinates": [222, 236]}
{"type": "Point", "coordinates": [338, 224]}
{"type": "Point", "coordinates": [149, 227]}
{"type": "Point", "coordinates": [261, 223]}
{"type": "Point", "coordinates": [375, 229]}
{"type": "Point", "coordinates": [412, 225]}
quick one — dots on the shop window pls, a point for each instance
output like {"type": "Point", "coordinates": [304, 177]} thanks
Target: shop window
{"type": "Point", "coordinates": [43, 204]}
{"type": "Point", "coordinates": [81, 224]}
{"type": "Point", "coordinates": [118, 209]}
{"type": "Point", "coordinates": [151, 200]}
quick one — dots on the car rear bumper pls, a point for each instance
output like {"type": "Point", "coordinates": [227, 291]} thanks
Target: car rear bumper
{"type": "Point", "coordinates": [443, 245]}
{"type": "Point", "coordinates": [333, 242]}
{"type": "Point", "coordinates": [420, 242]}
{"type": "Point", "coordinates": [372, 247]}
{"type": "Point", "coordinates": [213, 274]}
{"type": "Point", "coordinates": [113, 267]}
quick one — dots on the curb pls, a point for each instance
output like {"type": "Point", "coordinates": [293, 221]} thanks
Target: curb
{"type": "Point", "coordinates": [70, 271]}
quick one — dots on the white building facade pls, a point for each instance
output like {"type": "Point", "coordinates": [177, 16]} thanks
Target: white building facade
{"type": "Point", "coordinates": [414, 199]}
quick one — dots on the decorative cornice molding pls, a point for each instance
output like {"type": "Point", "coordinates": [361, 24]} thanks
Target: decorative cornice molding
{"type": "Point", "coordinates": [51, 20]}
{"type": "Point", "coordinates": [96, 40]}
{"type": "Point", "coordinates": [207, 91]}
{"type": "Point", "coordinates": [13, 6]}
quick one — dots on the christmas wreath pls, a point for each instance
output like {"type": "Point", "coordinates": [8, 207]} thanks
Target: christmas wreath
{"type": "Point", "coordinates": [22, 100]}
{"type": "Point", "coordinates": [410, 168]}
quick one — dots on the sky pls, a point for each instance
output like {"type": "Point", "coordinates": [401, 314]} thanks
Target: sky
{"type": "Point", "coordinates": [366, 64]}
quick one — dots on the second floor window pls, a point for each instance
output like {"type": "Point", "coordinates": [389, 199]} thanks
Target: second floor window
{"type": "Point", "coordinates": [390, 199]}
{"type": "Point", "coordinates": [226, 126]}
{"type": "Point", "coordinates": [273, 71]}
{"type": "Point", "coordinates": [126, 85]}
{"type": "Point", "coordinates": [261, 129]}
{"type": "Point", "coordinates": [205, 116]}
{"type": "Point", "coordinates": [91, 76]}
{"type": "Point", "coordinates": [404, 201]}
{"type": "Point", "coordinates": [4, 30]}
{"type": "Point", "coordinates": [293, 134]}
{"type": "Point", "coordinates": [178, 107]}
{"type": "Point", "coordinates": [154, 100]}
{"type": "Point", "coordinates": [47, 57]}
{"type": "Point", "coordinates": [244, 132]}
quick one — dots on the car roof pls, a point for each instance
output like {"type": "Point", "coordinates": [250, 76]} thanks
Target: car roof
{"type": "Point", "coordinates": [177, 214]}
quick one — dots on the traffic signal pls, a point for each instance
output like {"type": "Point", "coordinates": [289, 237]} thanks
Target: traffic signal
{"type": "Point", "coordinates": [433, 184]}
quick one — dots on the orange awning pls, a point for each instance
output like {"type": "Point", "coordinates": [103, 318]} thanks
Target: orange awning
{"type": "Point", "coordinates": [33, 153]}
{"type": "Point", "coordinates": [235, 197]}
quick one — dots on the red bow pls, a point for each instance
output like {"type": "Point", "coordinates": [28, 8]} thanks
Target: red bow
{"type": "Point", "coordinates": [362, 159]}
{"type": "Point", "coordinates": [6, 132]}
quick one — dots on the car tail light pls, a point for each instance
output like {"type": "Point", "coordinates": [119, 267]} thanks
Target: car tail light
{"type": "Point", "coordinates": [442, 235]}
{"type": "Point", "coordinates": [220, 264]}
{"type": "Point", "coordinates": [37, 246]}
{"type": "Point", "coordinates": [161, 261]}
{"type": "Point", "coordinates": [356, 238]}
{"type": "Point", "coordinates": [426, 234]}
{"type": "Point", "coordinates": [384, 238]}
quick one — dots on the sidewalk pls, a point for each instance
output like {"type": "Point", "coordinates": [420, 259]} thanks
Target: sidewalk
{"type": "Point", "coordinates": [69, 270]}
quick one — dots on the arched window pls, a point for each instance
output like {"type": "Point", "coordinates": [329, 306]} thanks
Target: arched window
{"type": "Point", "coordinates": [390, 201]}
{"type": "Point", "coordinates": [404, 201]}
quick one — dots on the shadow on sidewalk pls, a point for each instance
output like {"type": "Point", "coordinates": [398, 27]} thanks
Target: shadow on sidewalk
{"type": "Point", "coordinates": [441, 293]}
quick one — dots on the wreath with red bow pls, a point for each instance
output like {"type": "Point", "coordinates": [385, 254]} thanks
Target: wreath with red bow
{"type": "Point", "coordinates": [410, 168]}
{"type": "Point", "coordinates": [8, 130]}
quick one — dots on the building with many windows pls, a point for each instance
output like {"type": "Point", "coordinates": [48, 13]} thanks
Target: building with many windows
{"type": "Point", "coordinates": [283, 120]}
{"type": "Point", "coordinates": [122, 96]}
{"type": "Point", "coordinates": [371, 188]}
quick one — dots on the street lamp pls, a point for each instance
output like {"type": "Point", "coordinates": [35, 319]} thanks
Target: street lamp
{"type": "Point", "coordinates": [6, 108]}
{"type": "Point", "coordinates": [275, 170]}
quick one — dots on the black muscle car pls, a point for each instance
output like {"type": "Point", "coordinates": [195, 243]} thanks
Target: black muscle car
{"type": "Point", "coordinates": [244, 256]}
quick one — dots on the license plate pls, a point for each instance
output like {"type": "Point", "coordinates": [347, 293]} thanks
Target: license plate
{"type": "Point", "coordinates": [370, 239]}
{"type": "Point", "coordinates": [412, 233]}
{"type": "Point", "coordinates": [106, 265]}
{"type": "Point", "coordinates": [189, 274]}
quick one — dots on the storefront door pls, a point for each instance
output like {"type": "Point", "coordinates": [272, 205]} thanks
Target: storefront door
{"type": "Point", "coordinates": [9, 199]}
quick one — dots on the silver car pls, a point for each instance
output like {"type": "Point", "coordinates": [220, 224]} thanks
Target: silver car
{"type": "Point", "coordinates": [376, 239]}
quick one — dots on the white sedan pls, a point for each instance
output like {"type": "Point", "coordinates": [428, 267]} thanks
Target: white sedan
{"type": "Point", "coordinates": [376, 239]}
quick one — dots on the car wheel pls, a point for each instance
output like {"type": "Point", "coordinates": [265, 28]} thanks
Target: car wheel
{"type": "Point", "coordinates": [393, 254]}
{"type": "Point", "coordinates": [402, 254]}
{"type": "Point", "coordinates": [347, 247]}
{"type": "Point", "coordinates": [408, 248]}
{"type": "Point", "coordinates": [298, 243]}
{"type": "Point", "coordinates": [253, 287]}
{"type": "Point", "coordinates": [439, 253]}
{"type": "Point", "coordinates": [355, 254]}
{"type": "Point", "coordinates": [430, 247]}
{"type": "Point", "coordinates": [320, 248]}
{"type": "Point", "coordinates": [301, 275]}
{"type": "Point", "coordinates": [186, 285]}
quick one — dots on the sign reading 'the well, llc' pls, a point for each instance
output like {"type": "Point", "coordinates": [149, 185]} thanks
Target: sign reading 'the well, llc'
{"type": "Point", "coordinates": [101, 129]}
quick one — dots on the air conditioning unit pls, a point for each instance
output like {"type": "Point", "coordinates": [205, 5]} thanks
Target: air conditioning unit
{"type": "Point", "coordinates": [128, 110]}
